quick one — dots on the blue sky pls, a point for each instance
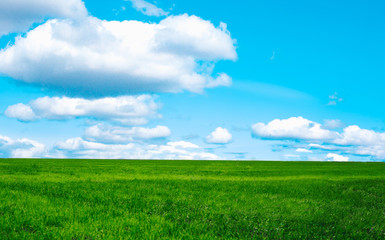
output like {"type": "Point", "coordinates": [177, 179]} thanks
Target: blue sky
{"type": "Point", "coordinates": [263, 80]}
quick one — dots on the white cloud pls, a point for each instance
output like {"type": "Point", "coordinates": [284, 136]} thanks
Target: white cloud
{"type": "Point", "coordinates": [354, 135]}
{"type": "Point", "coordinates": [182, 144]}
{"type": "Point", "coordinates": [73, 144]}
{"type": "Point", "coordinates": [352, 140]}
{"type": "Point", "coordinates": [19, 15]}
{"type": "Point", "coordinates": [356, 141]}
{"type": "Point", "coordinates": [324, 147]}
{"type": "Point", "coordinates": [79, 148]}
{"type": "Point", "coordinates": [180, 150]}
{"type": "Point", "coordinates": [222, 80]}
{"type": "Point", "coordinates": [147, 8]}
{"type": "Point", "coordinates": [303, 150]}
{"type": "Point", "coordinates": [333, 124]}
{"type": "Point", "coordinates": [108, 134]}
{"type": "Point", "coordinates": [336, 158]}
{"type": "Point", "coordinates": [20, 148]}
{"type": "Point", "coordinates": [22, 112]}
{"type": "Point", "coordinates": [125, 109]}
{"type": "Point", "coordinates": [98, 58]}
{"type": "Point", "coordinates": [292, 128]}
{"type": "Point", "coordinates": [219, 136]}
{"type": "Point", "coordinates": [192, 36]}
{"type": "Point", "coordinates": [376, 151]}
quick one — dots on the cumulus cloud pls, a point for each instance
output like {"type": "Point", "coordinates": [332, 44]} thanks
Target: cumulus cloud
{"type": "Point", "coordinates": [22, 112]}
{"type": "Point", "coordinates": [354, 135]}
{"type": "Point", "coordinates": [126, 109]}
{"type": "Point", "coordinates": [336, 157]}
{"type": "Point", "coordinates": [110, 134]}
{"type": "Point", "coordinates": [19, 15]}
{"type": "Point", "coordinates": [351, 140]}
{"type": "Point", "coordinates": [147, 8]}
{"type": "Point", "coordinates": [292, 128]}
{"type": "Point", "coordinates": [219, 136]}
{"type": "Point", "coordinates": [20, 148]}
{"type": "Point", "coordinates": [99, 58]}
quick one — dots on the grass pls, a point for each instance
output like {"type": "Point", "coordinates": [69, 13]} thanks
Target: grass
{"type": "Point", "coordinates": [111, 199]}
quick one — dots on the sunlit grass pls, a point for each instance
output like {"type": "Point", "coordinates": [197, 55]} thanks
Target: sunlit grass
{"type": "Point", "coordinates": [110, 199]}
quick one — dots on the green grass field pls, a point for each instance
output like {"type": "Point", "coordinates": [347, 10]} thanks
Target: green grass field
{"type": "Point", "coordinates": [111, 199]}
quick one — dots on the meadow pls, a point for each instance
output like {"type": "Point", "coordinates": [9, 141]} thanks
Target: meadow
{"type": "Point", "coordinates": [136, 199]}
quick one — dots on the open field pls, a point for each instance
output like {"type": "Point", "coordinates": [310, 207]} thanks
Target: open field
{"type": "Point", "coordinates": [110, 199]}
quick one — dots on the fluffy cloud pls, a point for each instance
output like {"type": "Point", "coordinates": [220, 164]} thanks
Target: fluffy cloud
{"type": "Point", "coordinates": [336, 158]}
{"type": "Point", "coordinates": [219, 136]}
{"type": "Point", "coordinates": [352, 140]}
{"type": "Point", "coordinates": [22, 112]}
{"type": "Point", "coordinates": [20, 148]}
{"type": "Point", "coordinates": [109, 134]}
{"type": "Point", "coordinates": [19, 15]}
{"type": "Point", "coordinates": [125, 109]}
{"type": "Point", "coordinates": [292, 128]}
{"type": "Point", "coordinates": [147, 8]}
{"type": "Point", "coordinates": [98, 58]}
{"type": "Point", "coordinates": [79, 148]}
{"type": "Point", "coordinates": [354, 135]}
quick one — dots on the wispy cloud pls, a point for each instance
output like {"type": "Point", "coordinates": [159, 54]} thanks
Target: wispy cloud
{"type": "Point", "coordinates": [303, 150]}
{"type": "Point", "coordinates": [333, 123]}
{"type": "Point", "coordinates": [272, 56]}
{"type": "Point", "coordinates": [334, 99]}
{"type": "Point", "coordinates": [118, 11]}
{"type": "Point", "coordinates": [147, 8]}
{"type": "Point", "coordinates": [112, 134]}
